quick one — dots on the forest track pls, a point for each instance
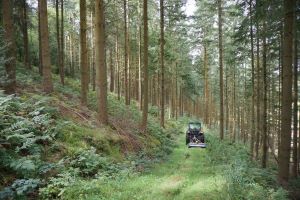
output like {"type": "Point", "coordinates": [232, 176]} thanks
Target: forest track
{"type": "Point", "coordinates": [187, 174]}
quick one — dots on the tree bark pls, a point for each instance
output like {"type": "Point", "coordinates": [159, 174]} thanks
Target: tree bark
{"type": "Point", "coordinates": [112, 72]}
{"type": "Point", "coordinates": [176, 92]}
{"type": "Point", "coordinates": [25, 36]}
{"type": "Point", "coordinates": [280, 83]}
{"type": "Point", "coordinates": [84, 54]}
{"type": "Point", "coordinates": [265, 90]}
{"type": "Point", "coordinates": [145, 85]}
{"type": "Point", "coordinates": [93, 52]}
{"type": "Point", "coordinates": [126, 54]}
{"type": "Point", "coordinates": [58, 33]}
{"type": "Point", "coordinates": [140, 63]}
{"type": "Point", "coordinates": [47, 76]}
{"type": "Point", "coordinates": [220, 22]}
{"type": "Point", "coordinates": [234, 104]}
{"type": "Point", "coordinates": [118, 67]}
{"type": "Point", "coordinates": [206, 112]}
{"type": "Point", "coordinates": [40, 43]}
{"type": "Point", "coordinates": [253, 86]}
{"type": "Point", "coordinates": [101, 81]}
{"type": "Point", "coordinates": [10, 54]}
{"type": "Point", "coordinates": [295, 102]}
{"type": "Point", "coordinates": [258, 112]}
{"type": "Point", "coordinates": [285, 135]}
{"type": "Point", "coordinates": [58, 36]}
{"type": "Point", "coordinates": [129, 64]}
{"type": "Point", "coordinates": [62, 54]}
{"type": "Point", "coordinates": [162, 41]}
{"type": "Point", "coordinates": [227, 101]}
{"type": "Point", "coordinates": [71, 54]}
{"type": "Point", "coordinates": [137, 69]}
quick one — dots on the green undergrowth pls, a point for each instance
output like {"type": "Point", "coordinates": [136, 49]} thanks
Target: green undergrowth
{"type": "Point", "coordinates": [49, 144]}
{"type": "Point", "coordinates": [244, 179]}
{"type": "Point", "coordinates": [51, 147]}
{"type": "Point", "coordinates": [222, 171]}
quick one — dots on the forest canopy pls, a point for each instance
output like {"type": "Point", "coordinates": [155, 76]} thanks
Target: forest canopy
{"type": "Point", "coordinates": [137, 66]}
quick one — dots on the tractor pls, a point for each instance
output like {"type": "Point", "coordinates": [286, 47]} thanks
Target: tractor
{"type": "Point", "coordinates": [195, 136]}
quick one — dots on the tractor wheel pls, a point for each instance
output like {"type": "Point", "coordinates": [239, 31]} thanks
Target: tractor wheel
{"type": "Point", "coordinates": [202, 138]}
{"type": "Point", "coordinates": [187, 139]}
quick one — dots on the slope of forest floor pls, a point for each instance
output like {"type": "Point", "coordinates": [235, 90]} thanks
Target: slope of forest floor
{"type": "Point", "coordinates": [221, 171]}
{"type": "Point", "coordinates": [53, 148]}
{"type": "Point", "coordinates": [50, 142]}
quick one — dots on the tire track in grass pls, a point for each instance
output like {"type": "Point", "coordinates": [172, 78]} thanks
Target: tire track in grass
{"type": "Point", "coordinates": [187, 174]}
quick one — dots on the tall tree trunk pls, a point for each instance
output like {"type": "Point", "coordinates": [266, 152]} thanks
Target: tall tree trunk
{"type": "Point", "coordinates": [93, 52]}
{"type": "Point", "coordinates": [112, 72]}
{"type": "Point", "coordinates": [129, 67]}
{"type": "Point", "coordinates": [140, 68]}
{"type": "Point", "coordinates": [9, 39]}
{"type": "Point", "coordinates": [280, 83]}
{"type": "Point", "coordinates": [181, 101]}
{"type": "Point", "coordinates": [150, 86]}
{"type": "Point", "coordinates": [258, 112]}
{"type": "Point", "coordinates": [265, 90]}
{"type": "Point", "coordinates": [70, 58]}
{"type": "Point", "coordinates": [206, 112]}
{"type": "Point", "coordinates": [137, 69]}
{"type": "Point", "coordinates": [176, 92]}
{"type": "Point", "coordinates": [253, 86]}
{"type": "Point", "coordinates": [220, 22]}
{"type": "Point", "coordinates": [58, 35]}
{"type": "Point", "coordinates": [101, 81]}
{"type": "Point", "coordinates": [140, 57]}
{"type": "Point", "coordinates": [118, 67]}
{"type": "Point", "coordinates": [145, 85]}
{"type": "Point", "coordinates": [47, 76]}
{"type": "Point", "coordinates": [84, 54]}
{"type": "Point", "coordinates": [243, 106]}
{"type": "Point", "coordinates": [227, 101]}
{"type": "Point", "coordinates": [295, 101]}
{"type": "Point", "coordinates": [126, 54]}
{"type": "Point", "coordinates": [238, 127]}
{"type": "Point", "coordinates": [234, 104]}
{"type": "Point", "coordinates": [162, 41]}
{"type": "Point", "coordinates": [62, 54]}
{"type": "Point", "coordinates": [40, 44]}
{"type": "Point", "coordinates": [25, 36]}
{"type": "Point", "coordinates": [285, 135]}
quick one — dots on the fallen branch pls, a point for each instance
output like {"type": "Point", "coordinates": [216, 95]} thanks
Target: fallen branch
{"type": "Point", "coordinates": [76, 113]}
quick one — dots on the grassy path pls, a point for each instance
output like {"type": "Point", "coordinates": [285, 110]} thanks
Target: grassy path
{"type": "Point", "coordinates": [186, 175]}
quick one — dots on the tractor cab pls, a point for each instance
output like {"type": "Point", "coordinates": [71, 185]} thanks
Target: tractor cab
{"type": "Point", "coordinates": [195, 136]}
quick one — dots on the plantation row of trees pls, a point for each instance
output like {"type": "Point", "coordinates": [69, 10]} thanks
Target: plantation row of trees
{"type": "Point", "coordinates": [140, 56]}
{"type": "Point", "coordinates": [233, 64]}
{"type": "Point", "coordinates": [257, 71]}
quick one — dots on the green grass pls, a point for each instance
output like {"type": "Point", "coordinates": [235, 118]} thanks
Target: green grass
{"type": "Point", "coordinates": [67, 158]}
{"type": "Point", "coordinates": [221, 171]}
{"type": "Point", "coordinates": [187, 173]}
{"type": "Point", "coordinates": [75, 137]}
